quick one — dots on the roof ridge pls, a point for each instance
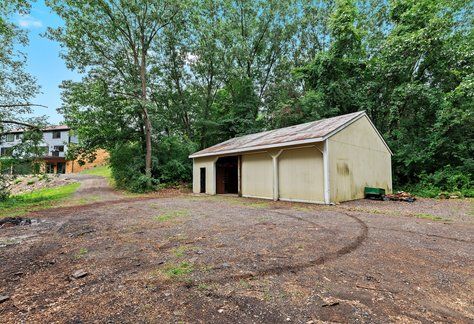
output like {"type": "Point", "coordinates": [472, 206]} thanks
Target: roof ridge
{"type": "Point", "coordinates": [305, 132]}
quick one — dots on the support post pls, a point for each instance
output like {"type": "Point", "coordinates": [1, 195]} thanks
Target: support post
{"type": "Point", "coordinates": [276, 180]}
{"type": "Point", "coordinates": [327, 193]}
{"type": "Point", "coordinates": [214, 176]}
{"type": "Point", "coordinates": [239, 175]}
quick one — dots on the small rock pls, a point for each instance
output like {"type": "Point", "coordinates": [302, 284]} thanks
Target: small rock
{"type": "Point", "coordinates": [288, 319]}
{"type": "Point", "coordinates": [19, 273]}
{"type": "Point", "coordinates": [167, 294]}
{"type": "Point", "coordinates": [199, 252]}
{"type": "Point", "coordinates": [310, 322]}
{"type": "Point", "coordinates": [225, 265]}
{"type": "Point", "coordinates": [4, 298]}
{"type": "Point", "coordinates": [220, 310]}
{"type": "Point", "coordinates": [79, 274]}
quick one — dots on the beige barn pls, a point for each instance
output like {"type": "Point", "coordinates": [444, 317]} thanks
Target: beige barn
{"type": "Point", "coordinates": [324, 161]}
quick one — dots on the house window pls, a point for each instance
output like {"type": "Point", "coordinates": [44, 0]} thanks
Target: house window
{"type": "Point", "coordinates": [17, 136]}
{"type": "Point", "coordinates": [56, 134]}
{"type": "Point", "coordinates": [10, 138]}
{"type": "Point", "coordinates": [59, 148]}
{"type": "Point", "coordinates": [55, 153]}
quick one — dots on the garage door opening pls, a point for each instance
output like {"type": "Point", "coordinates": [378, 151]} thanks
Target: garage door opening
{"type": "Point", "coordinates": [227, 175]}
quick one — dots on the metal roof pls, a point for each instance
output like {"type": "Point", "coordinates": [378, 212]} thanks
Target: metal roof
{"type": "Point", "coordinates": [311, 132]}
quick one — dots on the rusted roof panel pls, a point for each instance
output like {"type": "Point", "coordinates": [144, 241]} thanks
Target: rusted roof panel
{"type": "Point", "coordinates": [309, 132]}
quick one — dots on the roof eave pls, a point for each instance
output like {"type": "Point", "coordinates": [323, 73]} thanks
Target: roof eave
{"type": "Point", "coordinates": [258, 148]}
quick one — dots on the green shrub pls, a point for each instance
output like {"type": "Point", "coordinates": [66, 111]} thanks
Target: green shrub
{"type": "Point", "coordinates": [448, 182]}
{"type": "Point", "coordinates": [127, 164]}
{"type": "Point", "coordinates": [173, 163]}
{"type": "Point", "coordinates": [4, 188]}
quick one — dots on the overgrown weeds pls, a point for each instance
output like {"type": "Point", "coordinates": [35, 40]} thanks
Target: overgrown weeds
{"type": "Point", "coordinates": [36, 200]}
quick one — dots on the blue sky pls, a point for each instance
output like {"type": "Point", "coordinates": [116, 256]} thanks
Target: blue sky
{"type": "Point", "coordinates": [44, 62]}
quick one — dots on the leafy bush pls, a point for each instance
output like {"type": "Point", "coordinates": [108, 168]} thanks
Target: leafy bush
{"type": "Point", "coordinates": [4, 188]}
{"type": "Point", "coordinates": [170, 161]}
{"type": "Point", "coordinates": [447, 181]}
{"type": "Point", "coordinates": [128, 168]}
{"type": "Point", "coordinates": [173, 164]}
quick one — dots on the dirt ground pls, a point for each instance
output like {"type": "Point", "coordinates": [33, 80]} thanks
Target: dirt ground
{"type": "Point", "coordinates": [196, 259]}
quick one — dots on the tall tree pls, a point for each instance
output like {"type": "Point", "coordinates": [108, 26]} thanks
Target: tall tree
{"type": "Point", "coordinates": [17, 86]}
{"type": "Point", "coordinates": [117, 42]}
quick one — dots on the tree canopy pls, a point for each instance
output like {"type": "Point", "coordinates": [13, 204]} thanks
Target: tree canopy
{"type": "Point", "coordinates": [178, 77]}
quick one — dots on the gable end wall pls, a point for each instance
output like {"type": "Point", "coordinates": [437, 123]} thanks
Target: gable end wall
{"type": "Point", "coordinates": [358, 158]}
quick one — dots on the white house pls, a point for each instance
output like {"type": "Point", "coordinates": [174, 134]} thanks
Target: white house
{"type": "Point", "coordinates": [55, 142]}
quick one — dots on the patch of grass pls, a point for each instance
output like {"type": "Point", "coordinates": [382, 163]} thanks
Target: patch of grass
{"type": "Point", "coordinates": [171, 215]}
{"type": "Point", "coordinates": [431, 217]}
{"type": "Point", "coordinates": [101, 171]}
{"type": "Point", "coordinates": [31, 182]}
{"type": "Point", "coordinates": [181, 250]}
{"type": "Point", "coordinates": [81, 253]}
{"type": "Point", "coordinates": [17, 181]}
{"type": "Point", "coordinates": [36, 200]}
{"type": "Point", "coordinates": [177, 271]}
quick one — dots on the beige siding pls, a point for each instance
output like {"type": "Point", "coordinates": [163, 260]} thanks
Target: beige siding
{"type": "Point", "coordinates": [301, 175]}
{"type": "Point", "coordinates": [358, 158]}
{"type": "Point", "coordinates": [208, 163]}
{"type": "Point", "coordinates": [257, 175]}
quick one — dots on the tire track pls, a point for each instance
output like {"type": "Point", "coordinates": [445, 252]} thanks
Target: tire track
{"type": "Point", "coordinates": [277, 270]}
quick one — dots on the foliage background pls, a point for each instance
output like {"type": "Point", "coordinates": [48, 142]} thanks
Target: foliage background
{"type": "Point", "coordinates": [219, 69]}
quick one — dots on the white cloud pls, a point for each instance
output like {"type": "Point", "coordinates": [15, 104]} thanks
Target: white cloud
{"type": "Point", "coordinates": [26, 21]}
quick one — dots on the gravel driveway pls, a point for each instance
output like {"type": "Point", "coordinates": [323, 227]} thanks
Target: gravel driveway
{"type": "Point", "coordinates": [207, 259]}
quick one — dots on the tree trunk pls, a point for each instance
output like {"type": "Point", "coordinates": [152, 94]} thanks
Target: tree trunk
{"type": "Point", "coordinates": [148, 142]}
{"type": "Point", "coordinates": [146, 117]}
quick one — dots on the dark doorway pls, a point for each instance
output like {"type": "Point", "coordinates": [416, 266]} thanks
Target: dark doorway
{"type": "Point", "coordinates": [203, 180]}
{"type": "Point", "coordinates": [49, 168]}
{"type": "Point", "coordinates": [61, 167]}
{"type": "Point", "coordinates": [227, 175]}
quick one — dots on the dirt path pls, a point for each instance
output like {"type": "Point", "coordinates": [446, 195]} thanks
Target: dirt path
{"type": "Point", "coordinates": [214, 259]}
{"type": "Point", "coordinates": [93, 188]}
